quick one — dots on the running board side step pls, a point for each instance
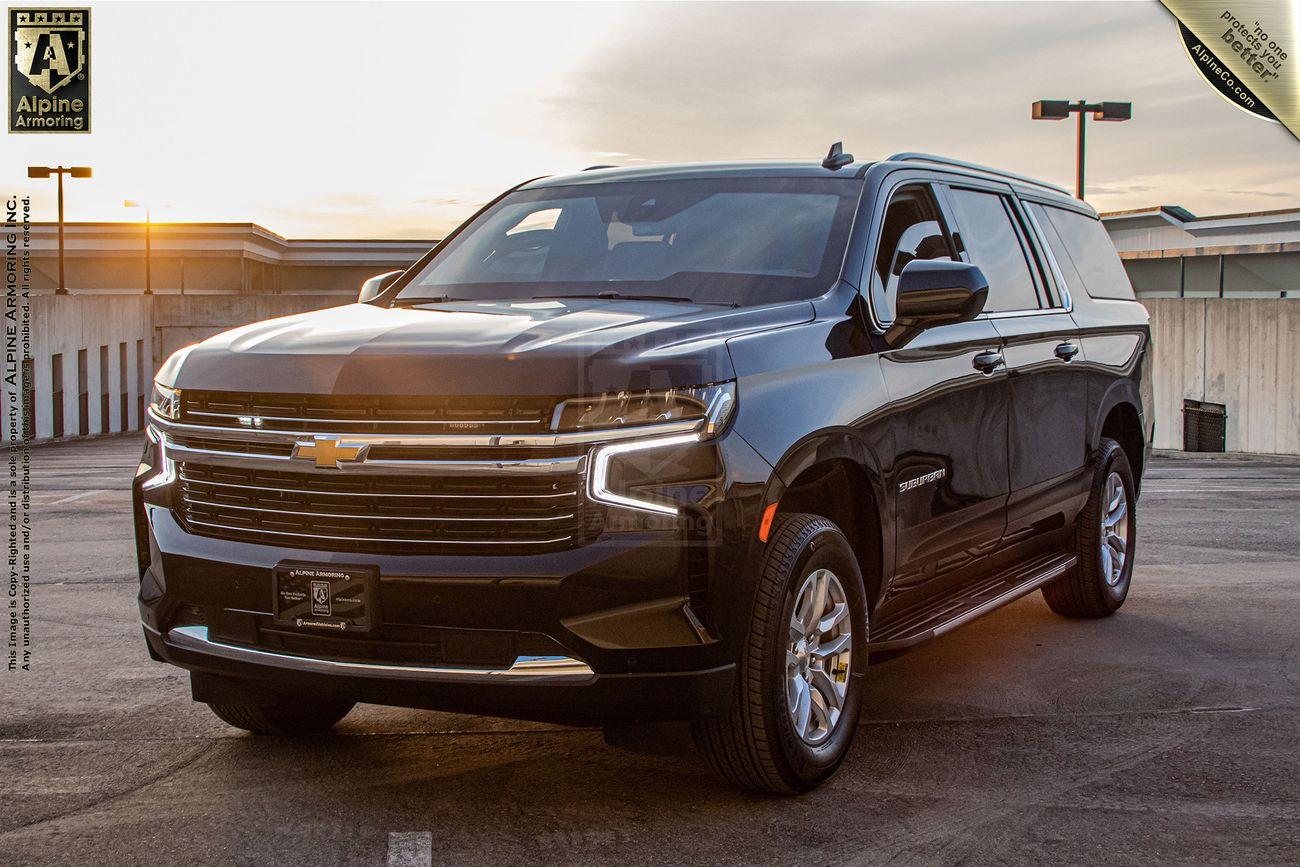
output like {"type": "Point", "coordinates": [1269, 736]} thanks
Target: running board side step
{"type": "Point", "coordinates": [961, 607]}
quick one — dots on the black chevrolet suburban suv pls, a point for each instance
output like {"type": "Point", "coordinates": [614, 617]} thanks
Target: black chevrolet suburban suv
{"type": "Point", "coordinates": [664, 443]}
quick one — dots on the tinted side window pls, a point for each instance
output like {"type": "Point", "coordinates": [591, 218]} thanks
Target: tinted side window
{"type": "Point", "coordinates": [1093, 254]}
{"type": "Point", "coordinates": [1069, 273]}
{"type": "Point", "coordinates": [912, 229]}
{"type": "Point", "coordinates": [991, 239]}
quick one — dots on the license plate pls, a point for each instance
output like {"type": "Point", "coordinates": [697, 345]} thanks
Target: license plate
{"type": "Point", "coordinates": [326, 598]}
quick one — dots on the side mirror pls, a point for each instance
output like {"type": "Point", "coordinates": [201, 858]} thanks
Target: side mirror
{"type": "Point", "coordinates": [937, 292]}
{"type": "Point", "coordinates": [375, 286]}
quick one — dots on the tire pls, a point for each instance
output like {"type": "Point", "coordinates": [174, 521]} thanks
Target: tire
{"type": "Point", "coordinates": [1095, 588]}
{"type": "Point", "coordinates": [291, 716]}
{"type": "Point", "coordinates": [757, 744]}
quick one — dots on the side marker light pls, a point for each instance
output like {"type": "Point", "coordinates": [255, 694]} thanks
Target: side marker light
{"type": "Point", "coordinates": [765, 526]}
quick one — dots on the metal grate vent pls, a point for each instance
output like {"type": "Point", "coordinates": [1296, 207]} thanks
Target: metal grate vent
{"type": "Point", "coordinates": [1205, 426]}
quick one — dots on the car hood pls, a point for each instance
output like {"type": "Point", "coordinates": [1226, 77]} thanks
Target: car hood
{"type": "Point", "coordinates": [553, 347]}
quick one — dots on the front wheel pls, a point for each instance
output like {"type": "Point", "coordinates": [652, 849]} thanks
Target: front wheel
{"type": "Point", "coordinates": [799, 689]}
{"type": "Point", "coordinates": [1105, 540]}
{"type": "Point", "coordinates": [288, 716]}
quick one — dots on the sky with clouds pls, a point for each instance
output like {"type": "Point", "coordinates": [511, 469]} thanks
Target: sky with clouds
{"type": "Point", "coordinates": [342, 120]}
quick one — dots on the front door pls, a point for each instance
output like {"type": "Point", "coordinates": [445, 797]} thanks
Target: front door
{"type": "Point", "coordinates": [947, 420]}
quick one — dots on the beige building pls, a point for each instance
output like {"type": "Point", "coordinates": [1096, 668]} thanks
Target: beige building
{"type": "Point", "coordinates": [1170, 253]}
{"type": "Point", "coordinates": [209, 259]}
{"type": "Point", "coordinates": [93, 353]}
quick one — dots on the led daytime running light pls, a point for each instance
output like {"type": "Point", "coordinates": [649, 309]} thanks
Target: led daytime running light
{"type": "Point", "coordinates": [598, 480]}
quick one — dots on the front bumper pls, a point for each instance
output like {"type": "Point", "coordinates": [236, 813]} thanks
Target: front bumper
{"type": "Point", "coordinates": [647, 619]}
{"type": "Point", "coordinates": [599, 633]}
{"type": "Point", "coordinates": [560, 690]}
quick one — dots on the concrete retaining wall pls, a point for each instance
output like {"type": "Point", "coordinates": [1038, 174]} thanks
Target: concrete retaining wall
{"type": "Point", "coordinates": [105, 349]}
{"type": "Point", "coordinates": [180, 320]}
{"type": "Point", "coordinates": [1241, 353]}
{"type": "Point", "coordinates": [92, 362]}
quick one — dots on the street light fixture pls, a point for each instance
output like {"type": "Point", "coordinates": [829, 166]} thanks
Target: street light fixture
{"type": "Point", "coordinates": [60, 171]}
{"type": "Point", "coordinates": [1060, 109]}
{"type": "Point", "coordinates": [148, 245]}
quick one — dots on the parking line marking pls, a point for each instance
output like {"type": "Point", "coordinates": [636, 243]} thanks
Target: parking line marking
{"type": "Point", "coordinates": [410, 848]}
{"type": "Point", "coordinates": [1211, 489]}
{"type": "Point", "coordinates": [75, 497]}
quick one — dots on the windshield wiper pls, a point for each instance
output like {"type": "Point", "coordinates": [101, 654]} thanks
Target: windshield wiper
{"type": "Point", "coordinates": [619, 296]}
{"type": "Point", "coordinates": [426, 299]}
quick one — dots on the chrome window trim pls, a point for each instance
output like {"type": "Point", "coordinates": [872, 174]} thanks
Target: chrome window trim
{"type": "Point", "coordinates": [1012, 201]}
{"type": "Point", "coordinates": [1040, 238]}
{"type": "Point", "coordinates": [1057, 276]}
{"type": "Point", "coordinates": [1016, 314]}
{"type": "Point", "coordinates": [533, 669]}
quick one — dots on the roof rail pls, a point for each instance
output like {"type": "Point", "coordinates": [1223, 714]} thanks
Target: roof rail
{"type": "Point", "coordinates": [908, 156]}
{"type": "Point", "coordinates": [594, 168]}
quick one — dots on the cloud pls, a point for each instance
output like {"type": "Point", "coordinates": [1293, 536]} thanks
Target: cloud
{"type": "Point", "coordinates": [1274, 194]}
{"type": "Point", "coordinates": [706, 81]}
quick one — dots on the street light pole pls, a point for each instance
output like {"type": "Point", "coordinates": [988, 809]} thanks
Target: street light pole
{"type": "Point", "coordinates": [148, 244]}
{"type": "Point", "coordinates": [60, 171]}
{"type": "Point", "coordinates": [63, 285]}
{"type": "Point", "coordinates": [1060, 109]}
{"type": "Point", "coordinates": [1078, 152]}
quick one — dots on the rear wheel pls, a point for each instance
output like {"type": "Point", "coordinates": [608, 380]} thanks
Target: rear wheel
{"type": "Point", "coordinates": [799, 690]}
{"type": "Point", "coordinates": [288, 716]}
{"type": "Point", "coordinates": [1105, 539]}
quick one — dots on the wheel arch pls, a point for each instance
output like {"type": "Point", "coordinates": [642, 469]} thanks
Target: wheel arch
{"type": "Point", "coordinates": [1120, 419]}
{"type": "Point", "coordinates": [834, 474]}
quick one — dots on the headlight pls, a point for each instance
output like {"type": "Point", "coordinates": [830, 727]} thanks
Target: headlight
{"type": "Point", "coordinates": [712, 404]}
{"type": "Point", "coordinates": [656, 474]}
{"type": "Point", "coordinates": [165, 402]}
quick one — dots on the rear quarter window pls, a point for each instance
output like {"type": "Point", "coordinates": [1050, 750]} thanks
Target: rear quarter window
{"type": "Point", "coordinates": [1090, 249]}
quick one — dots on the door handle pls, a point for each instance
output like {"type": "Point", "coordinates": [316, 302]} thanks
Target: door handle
{"type": "Point", "coordinates": [1066, 351]}
{"type": "Point", "coordinates": [987, 361]}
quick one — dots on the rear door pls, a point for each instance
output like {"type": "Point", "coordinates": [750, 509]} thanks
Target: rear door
{"type": "Point", "coordinates": [1028, 306]}
{"type": "Point", "coordinates": [947, 418]}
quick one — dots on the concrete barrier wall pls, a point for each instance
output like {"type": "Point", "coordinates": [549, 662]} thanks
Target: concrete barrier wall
{"type": "Point", "coordinates": [180, 320]}
{"type": "Point", "coordinates": [1237, 352]}
{"type": "Point", "coordinates": [94, 357]}
{"type": "Point", "coordinates": [105, 350]}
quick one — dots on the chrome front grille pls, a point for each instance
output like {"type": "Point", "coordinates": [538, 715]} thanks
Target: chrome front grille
{"type": "Point", "coordinates": [419, 475]}
{"type": "Point", "coordinates": [382, 513]}
{"type": "Point", "coordinates": [366, 414]}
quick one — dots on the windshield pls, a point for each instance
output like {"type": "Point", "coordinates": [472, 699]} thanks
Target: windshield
{"type": "Point", "coordinates": [736, 241]}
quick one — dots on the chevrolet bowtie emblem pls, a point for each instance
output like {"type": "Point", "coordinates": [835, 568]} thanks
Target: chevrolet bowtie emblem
{"type": "Point", "coordinates": [329, 454]}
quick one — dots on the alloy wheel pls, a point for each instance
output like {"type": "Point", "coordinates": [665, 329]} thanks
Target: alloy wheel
{"type": "Point", "coordinates": [1114, 531]}
{"type": "Point", "coordinates": [818, 657]}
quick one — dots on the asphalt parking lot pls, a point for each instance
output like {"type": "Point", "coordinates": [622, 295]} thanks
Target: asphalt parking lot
{"type": "Point", "coordinates": [1168, 733]}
